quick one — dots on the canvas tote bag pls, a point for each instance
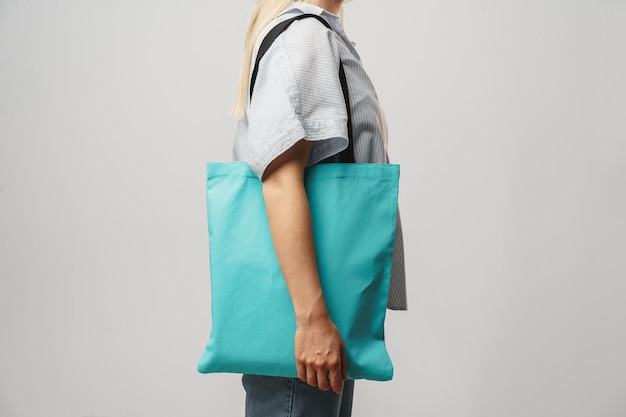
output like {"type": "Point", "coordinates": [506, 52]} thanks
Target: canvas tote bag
{"type": "Point", "coordinates": [353, 210]}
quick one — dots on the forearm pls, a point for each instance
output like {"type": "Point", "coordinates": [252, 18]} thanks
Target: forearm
{"type": "Point", "coordinates": [290, 224]}
{"type": "Point", "coordinates": [319, 350]}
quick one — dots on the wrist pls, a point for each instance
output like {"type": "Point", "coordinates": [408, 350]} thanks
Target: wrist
{"type": "Point", "coordinates": [311, 314]}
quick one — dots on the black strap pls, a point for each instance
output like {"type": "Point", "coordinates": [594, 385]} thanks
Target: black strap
{"type": "Point", "coordinates": [347, 155]}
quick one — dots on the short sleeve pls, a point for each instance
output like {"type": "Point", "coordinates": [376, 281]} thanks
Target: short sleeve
{"type": "Point", "coordinates": [297, 95]}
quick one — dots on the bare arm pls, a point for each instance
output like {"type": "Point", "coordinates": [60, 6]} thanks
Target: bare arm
{"type": "Point", "coordinates": [319, 349]}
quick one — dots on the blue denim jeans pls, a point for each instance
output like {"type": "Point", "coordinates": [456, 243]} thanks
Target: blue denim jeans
{"type": "Point", "coordinates": [270, 396]}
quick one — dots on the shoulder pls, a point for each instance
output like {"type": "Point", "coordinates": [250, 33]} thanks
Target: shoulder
{"type": "Point", "coordinates": [309, 27]}
{"type": "Point", "coordinates": [308, 36]}
{"type": "Point", "coordinates": [301, 67]}
{"type": "Point", "coordinates": [304, 40]}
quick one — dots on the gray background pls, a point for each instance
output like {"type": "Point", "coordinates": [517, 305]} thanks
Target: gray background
{"type": "Point", "coordinates": [508, 118]}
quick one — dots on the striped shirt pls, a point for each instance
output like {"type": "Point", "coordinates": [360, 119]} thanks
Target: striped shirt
{"type": "Point", "coordinates": [298, 95]}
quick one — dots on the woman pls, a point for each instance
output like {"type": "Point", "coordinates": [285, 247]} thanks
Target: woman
{"type": "Point", "coordinates": [296, 118]}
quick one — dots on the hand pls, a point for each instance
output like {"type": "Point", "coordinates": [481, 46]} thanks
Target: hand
{"type": "Point", "coordinates": [320, 354]}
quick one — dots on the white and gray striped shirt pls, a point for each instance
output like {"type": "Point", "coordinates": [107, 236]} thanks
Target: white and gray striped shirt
{"type": "Point", "coordinates": [298, 95]}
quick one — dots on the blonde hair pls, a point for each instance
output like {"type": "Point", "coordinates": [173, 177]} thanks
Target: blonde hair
{"type": "Point", "coordinates": [264, 12]}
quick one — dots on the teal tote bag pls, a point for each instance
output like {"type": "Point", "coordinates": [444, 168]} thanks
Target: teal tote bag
{"type": "Point", "coordinates": [353, 210]}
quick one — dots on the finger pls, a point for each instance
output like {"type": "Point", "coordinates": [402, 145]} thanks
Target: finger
{"type": "Point", "coordinates": [344, 363]}
{"type": "Point", "coordinates": [336, 382]}
{"type": "Point", "coordinates": [335, 372]}
{"type": "Point", "coordinates": [311, 377]}
{"type": "Point", "coordinates": [301, 371]}
{"type": "Point", "coordinates": [322, 380]}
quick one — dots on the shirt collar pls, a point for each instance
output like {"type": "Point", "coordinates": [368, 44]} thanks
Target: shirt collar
{"type": "Point", "coordinates": [313, 9]}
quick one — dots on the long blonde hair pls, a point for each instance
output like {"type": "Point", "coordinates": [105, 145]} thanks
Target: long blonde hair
{"type": "Point", "coordinates": [264, 12]}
